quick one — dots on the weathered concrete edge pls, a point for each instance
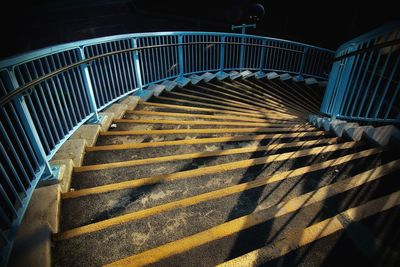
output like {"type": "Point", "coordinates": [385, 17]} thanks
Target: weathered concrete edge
{"type": "Point", "coordinates": [382, 136]}
{"type": "Point", "coordinates": [68, 156]}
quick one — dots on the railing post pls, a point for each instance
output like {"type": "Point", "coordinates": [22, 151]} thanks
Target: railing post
{"type": "Point", "coordinates": [222, 55]}
{"type": "Point", "coordinates": [343, 84]}
{"type": "Point", "coordinates": [88, 86]}
{"type": "Point", "coordinates": [27, 122]}
{"type": "Point", "coordinates": [180, 56]}
{"type": "Point", "coordinates": [241, 64]}
{"type": "Point", "coordinates": [302, 64]}
{"type": "Point", "coordinates": [262, 57]}
{"type": "Point", "coordinates": [136, 63]}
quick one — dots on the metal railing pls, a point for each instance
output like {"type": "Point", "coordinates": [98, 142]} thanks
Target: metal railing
{"type": "Point", "coordinates": [46, 95]}
{"type": "Point", "coordinates": [364, 83]}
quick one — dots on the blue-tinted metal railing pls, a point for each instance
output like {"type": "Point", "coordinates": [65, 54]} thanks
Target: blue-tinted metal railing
{"type": "Point", "coordinates": [364, 84]}
{"type": "Point", "coordinates": [46, 95]}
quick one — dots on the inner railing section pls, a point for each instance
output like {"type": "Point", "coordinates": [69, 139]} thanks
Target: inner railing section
{"type": "Point", "coordinates": [46, 95]}
{"type": "Point", "coordinates": [364, 84]}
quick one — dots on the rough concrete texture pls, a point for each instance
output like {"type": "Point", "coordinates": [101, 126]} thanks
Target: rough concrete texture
{"type": "Point", "coordinates": [61, 169]}
{"type": "Point", "coordinates": [33, 242]}
{"type": "Point", "coordinates": [117, 110]}
{"type": "Point", "coordinates": [338, 127]}
{"type": "Point", "coordinates": [357, 133]}
{"type": "Point", "coordinates": [156, 88]}
{"type": "Point", "coordinates": [169, 85]}
{"type": "Point", "coordinates": [107, 120]}
{"type": "Point", "coordinates": [382, 135]}
{"type": "Point", "coordinates": [130, 102]}
{"type": "Point", "coordinates": [136, 236]}
{"type": "Point", "coordinates": [88, 132]}
{"type": "Point", "coordinates": [66, 175]}
{"type": "Point", "coordinates": [72, 149]}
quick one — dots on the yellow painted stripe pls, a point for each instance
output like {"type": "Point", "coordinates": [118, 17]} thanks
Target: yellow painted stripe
{"type": "Point", "coordinates": [204, 109]}
{"type": "Point", "coordinates": [288, 94]}
{"type": "Point", "coordinates": [229, 123]}
{"type": "Point", "coordinates": [246, 111]}
{"type": "Point", "coordinates": [256, 95]}
{"type": "Point", "coordinates": [214, 195]}
{"type": "Point", "coordinates": [194, 115]}
{"type": "Point", "coordinates": [238, 99]}
{"type": "Point", "coordinates": [206, 170]}
{"type": "Point", "coordinates": [203, 154]}
{"type": "Point", "coordinates": [279, 94]}
{"type": "Point", "coordinates": [206, 131]}
{"type": "Point", "coordinates": [314, 232]}
{"type": "Point", "coordinates": [234, 94]}
{"type": "Point", "coordinates": [176, 247]}
{"type": "Point", "coordinates": [270, 108]}
{"type": "Point", "coordinates": [243, 110]}
{"type": "Point", "coordinates": [206, 140]}
{"type": "Point", "coordinates": [226, 102]}
{"type": "Point", "coordinates": [266, 101]}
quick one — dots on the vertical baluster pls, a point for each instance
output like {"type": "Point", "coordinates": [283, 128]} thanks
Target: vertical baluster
{"type": "Point", "coordinates": [30, 129]}
{"type": "Point", "coordinates": [385, 91]}
{"type": "Point", "coordinates": [105, 87]}
{"type": "Point", "coordinates": [41, 113]}
{"type": "Point", "coordinates": [88, 87]}
{"type": "Point", "coordinates": [138, 75]}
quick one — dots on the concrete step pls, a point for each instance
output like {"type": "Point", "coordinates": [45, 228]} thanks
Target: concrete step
{"type": "Point", "coordinates": [195, 174]}
{"type": "Point", "coordinates": [221, 172]}
{"type": "Point", "coordinates": [143, 235]}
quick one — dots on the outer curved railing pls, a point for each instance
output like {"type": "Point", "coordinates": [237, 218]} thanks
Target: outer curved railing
{"type": "Point", "coordinates": [364, 84]}
{"type": "Point", "coordinates": [47, 94]}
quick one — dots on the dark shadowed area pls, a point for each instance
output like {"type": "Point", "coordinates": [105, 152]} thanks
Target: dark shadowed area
{"type": "Point", "coordinates": [29, 25]}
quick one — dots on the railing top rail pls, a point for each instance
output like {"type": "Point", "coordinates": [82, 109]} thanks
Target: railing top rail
{"type": "Point", "coordinates": [7, 98]}
{"type": "Point", "coordinates": [370, 35]}
{"type": "Point", "coordinates": [28, 56]}
{"type": "Point", "coordinates": [367, 49]}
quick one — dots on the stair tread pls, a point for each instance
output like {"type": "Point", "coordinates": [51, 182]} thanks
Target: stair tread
{"type": "Point", "coordinates": [215, 172]}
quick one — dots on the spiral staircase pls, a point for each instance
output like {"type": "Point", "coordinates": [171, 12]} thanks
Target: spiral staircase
{"type": "Point", "coordinates": [230, 173]}
{"type": "Point", "coordinates": [204, 149]}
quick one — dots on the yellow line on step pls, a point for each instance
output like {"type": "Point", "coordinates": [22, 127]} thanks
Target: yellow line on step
{"type": "Point", "coordinates": [225, 102]}
{"type": "Point", "coordinates": [203, 154]}
{"type": "Point", "coordinates": [234, 226]}
{"type": "Point", "coordinates": [206, 140]}
{"type": "Point", "coordinates": [194, 115]}
{"type": "Point", "coordinates": [234, 94]}
{"type": "Point", "coordinates": [229, 102]}
{"type": "Point", "coordinates": [243, 110]}
{"type": "Point", "coordinates": [206, 170]}
{"type": "Point", "coordinates": [204, 109]}
{"type": "Point", "coordinates": [314, 232]}
{"type": "Point", "coordinates": [207, 131]}
{"type": "Point", "coordinates": [267, 104]}
{"type": "Point", "coordinates": [213, 195]}
{"type": "Point", "coordinates": [229, 123]}
{"type": "Point", "coordinates": [246, 111]}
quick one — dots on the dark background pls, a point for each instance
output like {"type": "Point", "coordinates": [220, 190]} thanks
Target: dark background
{"type": "Point", "coordinates": [29, 25]}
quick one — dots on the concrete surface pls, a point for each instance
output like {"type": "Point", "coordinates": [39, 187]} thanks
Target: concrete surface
{"type": "Point", "coordinates": [88, 132]}
{"type": "Point", "coordinates": [117, 110]}
{"type": "Point", "coordinates": [72, 149]}
{"type": "Point", "coordinates": [129, 238]}
{"type": "Point", "coordinates": [107, 120]}
{"type": "Point", "coordinates": [382, 135]}
{"type": "Point", "coordinates": [33, 243]}
{"type": "Point", "coordinates": [66, 175]}
{"type": "Point", "coordinates": [130, 102]}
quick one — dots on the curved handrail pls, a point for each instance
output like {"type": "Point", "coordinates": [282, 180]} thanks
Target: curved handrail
{"type": "Point", "coordinates": [64, 86]}
{"type": "Point", "coordinates": [21, 58]}
{"type": "Point", "coordinates": [363, 84]}
{"type": "Point", "coordinates": [22, 89]}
